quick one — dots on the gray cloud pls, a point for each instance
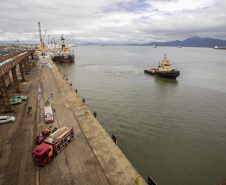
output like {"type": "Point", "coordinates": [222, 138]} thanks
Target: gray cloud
{"type": "Point", "coordinates": [115, 21]}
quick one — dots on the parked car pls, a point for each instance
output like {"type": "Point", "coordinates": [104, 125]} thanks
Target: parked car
{"type": "Point", "coordinates": [7, 119]}
{"type": "Point", "coordinates": [23, 98]}
{"type": "Point", "coordinates": [14, 101]}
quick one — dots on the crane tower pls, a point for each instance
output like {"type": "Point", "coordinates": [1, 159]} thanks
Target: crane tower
{"type": "Point", "coordinates": [41, 42]}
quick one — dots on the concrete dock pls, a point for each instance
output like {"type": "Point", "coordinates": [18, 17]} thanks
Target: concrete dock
{"type": "Point", "coordinates": [91, 158]}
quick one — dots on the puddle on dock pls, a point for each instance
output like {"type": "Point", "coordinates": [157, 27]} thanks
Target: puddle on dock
{"type": "Point", "coordinates": [38, 120]}
{"type": "Point", "coordinates": [39, 91]}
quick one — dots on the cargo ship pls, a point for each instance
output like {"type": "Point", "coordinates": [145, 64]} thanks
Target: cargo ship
{"type": "Point", "coordinates": [164, 70]}
{"type": "Point", "coordinates": [217, 47]}
{"type": "Point", "coordinates": [62, 53]}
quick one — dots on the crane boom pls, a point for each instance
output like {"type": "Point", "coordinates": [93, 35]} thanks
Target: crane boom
{"type": "Point", "coordinates": [40, 34]}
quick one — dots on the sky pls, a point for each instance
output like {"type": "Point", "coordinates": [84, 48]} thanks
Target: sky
{"type": "Point", "coordinates": [111, 21]}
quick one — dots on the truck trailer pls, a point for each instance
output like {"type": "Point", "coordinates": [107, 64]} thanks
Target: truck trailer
{"type": "Point", "coordinates": [52, 146]}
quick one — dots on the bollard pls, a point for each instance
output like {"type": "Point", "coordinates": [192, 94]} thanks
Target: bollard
{"type": "Point", "coordinates": [76, 90]}
{"type": "Point", "coordinates": [114, 138]}
{"type": "Point", "coordinates": [95, 114]}
{"type": "Point", "coordinates": [70, 84]}
{"type": "Point", "coordinates": [84, 101]}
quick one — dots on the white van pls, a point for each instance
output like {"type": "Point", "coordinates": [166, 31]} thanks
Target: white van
{"type": "Point", "coordinates": [48, 114]}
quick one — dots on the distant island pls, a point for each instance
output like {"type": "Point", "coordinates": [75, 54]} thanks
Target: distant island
{"type": "Point", "coordinates": [192, 42]}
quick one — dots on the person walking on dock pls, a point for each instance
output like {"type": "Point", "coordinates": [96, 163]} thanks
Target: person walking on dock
{"type": "Point", "coordinates": [29, 108]}
{"type": "Point", "coordinates": [51, 94]}
{"type": "Point", "coordinates": [28, 113]}
{"type": "Point", "coordinates": [46, 101]}
{"type": "Point", "coordinates": [53, 108]}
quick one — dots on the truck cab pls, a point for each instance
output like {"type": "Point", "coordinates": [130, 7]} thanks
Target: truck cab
{"type": "Point", "coordinates": [44, 134]}
{"type": "Point", "coordinates": [43, 154]}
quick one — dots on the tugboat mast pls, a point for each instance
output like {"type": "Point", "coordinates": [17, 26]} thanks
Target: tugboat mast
{"type": "Point", "coordinates": [164, 56]}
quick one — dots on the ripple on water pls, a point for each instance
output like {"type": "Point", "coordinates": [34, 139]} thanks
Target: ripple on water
{"type": "Point", "coordinates": [173, 130]}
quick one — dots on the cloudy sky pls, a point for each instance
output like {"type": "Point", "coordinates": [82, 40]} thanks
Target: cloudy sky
{"type": "Point", "coordinates": [112, 21]}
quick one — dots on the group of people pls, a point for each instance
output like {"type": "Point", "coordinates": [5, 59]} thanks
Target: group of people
{"type": "Point", "coordinates": [29, 108]}
{"type": "Point", "coordinates": [47, 102]}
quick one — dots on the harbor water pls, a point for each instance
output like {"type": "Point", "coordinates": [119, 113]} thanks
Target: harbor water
{"type": "Point", "coordinates": [172, 130]}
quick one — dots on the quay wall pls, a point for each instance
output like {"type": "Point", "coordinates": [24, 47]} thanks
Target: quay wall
{"type": "Point", "coordinates": [114, 163]}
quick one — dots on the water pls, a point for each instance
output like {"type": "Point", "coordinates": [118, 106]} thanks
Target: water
{"type": "Point", "coordinates": [171, 130]}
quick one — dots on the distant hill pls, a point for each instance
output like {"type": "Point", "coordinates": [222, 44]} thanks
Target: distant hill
{"type": "Point", "coordinates": [192, 42]}
{"type": "Point", "coordinates": [90, 44]}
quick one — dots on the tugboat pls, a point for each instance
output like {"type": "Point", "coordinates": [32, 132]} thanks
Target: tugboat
{"type": "Point", "coordinates": [164, 70]}
{"type": "Point", "coordinates": [62, 53]}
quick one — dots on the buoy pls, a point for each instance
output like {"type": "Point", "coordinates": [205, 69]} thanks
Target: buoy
{"type": "Point", "coordinates": [137, 181]}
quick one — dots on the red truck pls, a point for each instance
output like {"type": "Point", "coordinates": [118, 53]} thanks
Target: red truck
{"type": "Point", "coordinates": [44, 134]}
{"type": "Point", "coordinates": [52, 146]}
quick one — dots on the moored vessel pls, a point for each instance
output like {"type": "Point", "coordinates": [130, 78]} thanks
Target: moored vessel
{"type": "Point", "coordinates": [217, 47]}
{"type": "Point", "coordinates": [62, 52]}
{"type": "Point", "coordinates": [164, 70]}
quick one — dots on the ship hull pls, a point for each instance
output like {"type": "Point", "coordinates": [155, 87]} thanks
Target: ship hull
{"type": "Point", "coordinates": [63, 59]}
{"type": "Point", "coordinates": [172, 74]}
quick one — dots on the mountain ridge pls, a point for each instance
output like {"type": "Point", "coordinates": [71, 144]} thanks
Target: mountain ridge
{"type": "Point", "coordinates": [192, 42]}
{"type": "Point", "coordinates": [189, 42]}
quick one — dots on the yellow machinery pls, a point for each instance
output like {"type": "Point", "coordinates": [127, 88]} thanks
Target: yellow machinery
{"type": "Point", "coordinates": [41, 42]}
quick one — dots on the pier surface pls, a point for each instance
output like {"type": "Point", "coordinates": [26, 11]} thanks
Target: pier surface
{"type": "Point", "coordinates": [91, 158]}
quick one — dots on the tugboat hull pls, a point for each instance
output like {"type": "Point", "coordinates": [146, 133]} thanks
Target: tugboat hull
{"type": "Point", "coordinates": [172, 74]}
